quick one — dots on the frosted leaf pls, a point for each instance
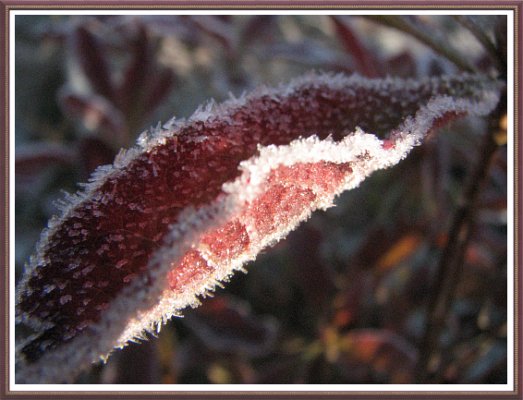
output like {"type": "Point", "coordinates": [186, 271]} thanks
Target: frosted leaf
{"type": "Point", "coordinates": [189, 206]}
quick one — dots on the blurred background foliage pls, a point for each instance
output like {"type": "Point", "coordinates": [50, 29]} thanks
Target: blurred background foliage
{"type": "Point", "coordinates": [344, 298]}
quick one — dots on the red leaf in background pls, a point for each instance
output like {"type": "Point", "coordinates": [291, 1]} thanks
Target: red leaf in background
{"type": "Point", "coordinates": [32, 159]}
{"type": "Point", "coordinates": [217, 29]}
{"type": "Point", "coordinates": [309, 270]}
{"type": "Point", "coordinates": [366, 63]}
{"type": "Point", "coordinates": [145, 237]}
{"type": "Point", "coordinates": [94, 152]}
{"type": "Point", "coordinates": [97, 115]}
{"type": "Point", "coordinates": [401, 65]}
{"type": "Point", "coordinates": [348, 302]}
{"type": "Point", "coordinates": [161, 84]}
{"type": "Point", "coordinates": [89, 52]}
{"type": "Point", "coordinates": [132, 90]}
{"type": "Point", "coordinates": [137, 364]}
{"type": "Point", "coordinates": [225, 324]}
{"type": "Point", "coordinates": [376, 352]}
{"type": "Point", "coordinates": [258, 27]}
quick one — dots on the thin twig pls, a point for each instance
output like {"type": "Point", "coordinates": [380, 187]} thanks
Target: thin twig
{"type": "Point", "coordinates": [452, 259]}
{"type": "Point", "coordinates": [444, 49]}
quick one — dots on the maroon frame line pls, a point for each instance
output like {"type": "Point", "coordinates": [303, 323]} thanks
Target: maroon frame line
{"type": "Point", "coordinates": [7, 6]}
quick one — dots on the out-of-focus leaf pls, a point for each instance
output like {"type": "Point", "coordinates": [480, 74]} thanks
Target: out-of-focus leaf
{"type": "Point", "coordinates": [132, 89]}
{"type": "Point", "coordinates": [236, 369]}
{"type": "Point", "coordinates": [366, 63]}
{"type": "Point", "coordinates": [477, 255]}
{"type": "Point", "coordinates": [136, 364]}
{"type": "Point", "coordinates": [159, 88]}
{"type": "Point", "coordinates": [258, 27]}
{"type": "Point", "coordinates": [310, 272]}
{"type": "Point", "coordinates": [96, 114]}
{"type": "Point", "coordinates": [376, 242]}
{"type": "Point", "coordinates": [402, 65]}
{"type": "Point", "coordinates": [403, 248]}
{"type": "Point", "coordinates": [32, 159]}
{"type": "Point", "coordinates": [227, 325]}
{"type": "Point", "coordinates": [94, 152]}
{"type": "Point", "coordinates": [348, 301]}
{"type": "Point", "coordinates": [90, 54]}
{"type": "Point", "coordinates": [386, 355]}
{"type": "Point", "coordinates": [166, 348]}
{"type": "Point", "coordinates": [217, 29]}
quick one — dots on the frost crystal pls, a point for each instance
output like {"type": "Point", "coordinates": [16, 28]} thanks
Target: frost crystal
{"type": "Point", "coordinates": [197, 199]}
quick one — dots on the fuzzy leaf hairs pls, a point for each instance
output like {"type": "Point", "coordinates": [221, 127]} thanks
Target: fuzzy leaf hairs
{"type": "Point", "coordinates": [196, 200]}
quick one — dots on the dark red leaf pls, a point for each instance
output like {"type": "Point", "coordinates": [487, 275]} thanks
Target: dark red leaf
{"type": "Point", "coordinates": [96, 114]}
{"type": "Point", "coordinates": [159, 88]}
{"type": "Point", "coordinates": [309, 270]}
{"type": "Point", "coordinates": [32, 159]}
{"type": "Point", "coordinates": [402, 65]}
{"type": "Point", "coordinates": [259, 27]}
{"type": "Point", "coordinates": [349, 300]}
{"type": "Point", "coordinates": [228, 325]}
{"type": "Point", "coordinates": [90, 54]}
{"type": "Point", "coordinates": [367, 64]}
{"type": "Point", "coordinates": [217, 29]}
{"type": "Point", "coordinates": [132, 89]}
{"type": "Point", "coordinates": [94, 152]}
{"type": "Point", "coordinates": [136, 364]}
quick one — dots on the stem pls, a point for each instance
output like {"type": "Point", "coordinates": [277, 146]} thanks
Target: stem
{"type": "Point", "coordinates": [404, 25]}
{"type": "Point", "coordinates": [450, 265]}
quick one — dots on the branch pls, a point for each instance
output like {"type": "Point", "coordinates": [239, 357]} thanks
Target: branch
{"type": "Point", "coordinates": [451, 263]}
